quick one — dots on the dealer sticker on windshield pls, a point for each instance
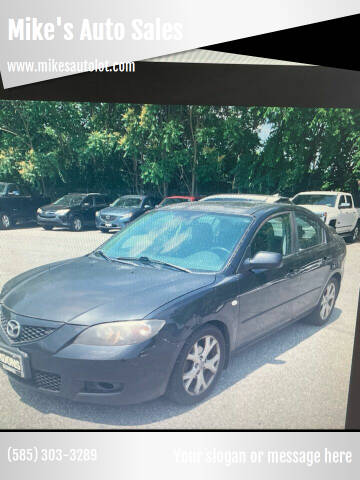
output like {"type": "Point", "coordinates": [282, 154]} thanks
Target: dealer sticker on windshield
{"type": "Point", "coordinates": [12, 362]}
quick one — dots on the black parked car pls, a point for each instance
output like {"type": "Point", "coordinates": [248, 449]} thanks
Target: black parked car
{"type": "Point", "coordinates": [160, 306]}
{"type": "Point", "coordinates": [74, 211]}
{"type": "Point", "coordinates": [124, 210]}
{"type": "Point", "coordinates": [17, 206]}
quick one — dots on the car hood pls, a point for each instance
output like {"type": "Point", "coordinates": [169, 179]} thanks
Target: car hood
{"type": "Point", "coordinates": [119, 210]}
{"type": "Point", "coordinates": [90, 290]}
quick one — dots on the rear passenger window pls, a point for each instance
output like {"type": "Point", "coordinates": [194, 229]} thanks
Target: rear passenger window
{"type": "Point", "coordinates": [309, 231]}
{"type": "Point", "coordinates": [349, 201]}
{"type": "Point", "coordinates": [273, 236]}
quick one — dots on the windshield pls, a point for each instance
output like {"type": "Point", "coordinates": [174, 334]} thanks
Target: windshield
{"type": "Point", "coordinates": [127, 202]}
{"type": "Point", "coordinates": [70, 200]}
{"type": "Point", "coordinates": [171, 201]}
{"type": "Point", "coordinates": [192, 240]}
{"type": "Point", "coordinates": [2, 188]}
{"type": "Point", "coordinates": [315, 199]}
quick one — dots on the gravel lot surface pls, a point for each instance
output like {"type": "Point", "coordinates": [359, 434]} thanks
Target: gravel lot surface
{"type": "Point", "coordinates": [296, 379]}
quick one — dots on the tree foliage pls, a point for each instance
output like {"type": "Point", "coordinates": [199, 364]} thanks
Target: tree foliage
{"type": "Point", "coordinates": [57, 147]}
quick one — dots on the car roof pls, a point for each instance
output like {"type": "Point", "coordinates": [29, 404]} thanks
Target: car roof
{"type": "Point", "coordinates": [323, 192]}
{"type": "Point", "coordinates": [133, 196]}
{"type": "Point", "coordinates": [179, 196]}
{"type": "Point", "coordinates": [233, 207]}
{"type": "Point", "coordinates": [252, 196]}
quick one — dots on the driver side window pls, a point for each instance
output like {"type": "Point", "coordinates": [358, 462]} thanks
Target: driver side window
{"type": "Point", "coordinates": [273, 236]}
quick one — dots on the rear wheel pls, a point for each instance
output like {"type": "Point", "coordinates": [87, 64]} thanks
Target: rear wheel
{"type": "Point", "coordinates": [198, 366]}
{"type": "Point", "coordinates": [354, 235]}
{"type": "Point", "coordinates": [5, 221]}
{"type": "Point", "coordinates": [76, 224]}
{"type": "Point", "coordinates": [326, 304]}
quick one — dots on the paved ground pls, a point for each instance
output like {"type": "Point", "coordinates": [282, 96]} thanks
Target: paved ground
{"type": "Point", "coordinates": [297, 379]}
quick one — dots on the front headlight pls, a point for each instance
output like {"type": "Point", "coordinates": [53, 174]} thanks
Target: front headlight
{"type": "Point", "coordinates": [39, 210]}
{"type": "Point", "coordinates": [97, 213]}
{"type": "Point", "coordinates": [120, 333]}
{"type": "Point", "coordinates": [63, 212]}
{"type": "Point", "coordinates": [127, 215]}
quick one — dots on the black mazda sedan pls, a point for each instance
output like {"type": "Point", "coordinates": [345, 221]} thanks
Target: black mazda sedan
{"type": "Point", "coordinates": [161, 305]}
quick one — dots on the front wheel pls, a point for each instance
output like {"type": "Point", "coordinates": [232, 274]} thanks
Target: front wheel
{"type": "Point", "coordinates": [354, 235]}
{"type": "Point", "coordinates": [326, 304]}
{"type": "Point", "coordinates": [198, 366]}
{"type": "Point", "coordinates": [47, 227]}
{"type": "Point", "coordinates": [104, 230]}
{"type": "Point", "coordinates": [76, 224]}
{"type": "Point", "coordinates": [5, 221]}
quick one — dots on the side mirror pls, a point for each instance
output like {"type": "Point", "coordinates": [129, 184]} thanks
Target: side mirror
{"type": "Point", "coordinates": [263, 261]}
{"type": "Point", "coordinates": [344, 205]}
{"type": "Point", "coordinates": [147, 207]}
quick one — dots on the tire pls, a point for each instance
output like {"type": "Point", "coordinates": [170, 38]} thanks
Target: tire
{"type": "Point", "coordinates": [354, 234]}
{"type": "Point", "coordinates": [6, 221]}
{"type": "Point", "coordinates": [104, 230]}
{"type": "Point", "coordinates": [47, 227]}
{"type": "Point", "coordinates": [184, 390]}
{"type": "Point", "coordinates": [76, 224]}
{"type": "Point", "coordinates": [321, 314]}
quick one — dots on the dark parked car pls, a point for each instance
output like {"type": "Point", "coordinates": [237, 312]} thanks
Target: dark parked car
{"type": "Point", "coordinates": [160, 306]}
{"type": "Point", "coordinates": [17, 206]}
{"type": "Point", "coordinates": [74, 211]}
{"type": "Point", "coordinates": [124, 210]}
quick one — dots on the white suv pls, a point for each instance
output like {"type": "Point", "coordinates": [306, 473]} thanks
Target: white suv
{"type": "Point", "coordinates": [336, 209]}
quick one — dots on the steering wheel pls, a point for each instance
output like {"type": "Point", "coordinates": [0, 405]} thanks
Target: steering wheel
{"type": "Point", "coordinates": [220, 249]}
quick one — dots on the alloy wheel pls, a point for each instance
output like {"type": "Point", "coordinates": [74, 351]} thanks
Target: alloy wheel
{"type": "Point", "coordinates": [5, 220]}
{"type": "Point", "coordinates": [77, 224]}
{"type": "Point", "coordinates": [356, 233]}
{"type": "Point", "coordinates": [201, 365]}
{"type": "Point", "coordinates": [327, 301]}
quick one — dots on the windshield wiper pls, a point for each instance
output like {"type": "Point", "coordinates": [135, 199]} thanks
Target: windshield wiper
{"type": "Point", "coordinates": [165, 264]}
{"type": "Point", "coordinates": [126, 260]}
{"type": "Point", "coordinates": [102, 254]}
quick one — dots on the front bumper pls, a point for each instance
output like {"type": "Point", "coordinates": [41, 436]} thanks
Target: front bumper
{"type": "Point", "coordinates": [56, 221]}
{"type": "Point", "coordinates": [103, 375]}
{"type": "Point", "coordinates": [111, 223]}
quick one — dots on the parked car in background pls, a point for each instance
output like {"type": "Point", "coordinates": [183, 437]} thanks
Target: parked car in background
{"type": "Point", "coordinates": [124, 210]}
{"type": "Point", "coordinates": [336, 209]}
{"type": "Point", "coordinates": [74, 211]}
{"type": "Point", "coordinates": [159, 307]}
{"type": "Point", "coordinates": [177, 199]}
{"type": "Point", "coordinates": [247, 197]}
{"type": "Point", "coordinates": [17, 206]}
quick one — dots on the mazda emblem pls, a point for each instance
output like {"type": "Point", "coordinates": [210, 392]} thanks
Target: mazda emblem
{"type": "Point", "coordinates": [13, 329]}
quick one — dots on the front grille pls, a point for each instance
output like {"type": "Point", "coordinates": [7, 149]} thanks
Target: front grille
{"type": "Point", "coordinates": [108, 218]}
{"type": "Point", "coordinates": [47, 215]}
{"type": "Point", "coordinates": [47, 381]}
{"type": "Point", "coordinates": [28, 333]}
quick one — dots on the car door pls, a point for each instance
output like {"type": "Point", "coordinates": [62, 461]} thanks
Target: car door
{"type": "Point", "coordinates": [100, 202]}
{"type": "Point", "coordinates": [88, 209]}
{"type": "Point", "coordinates": [351, 212]}
{"type": "Point", "coordinates": [342, 223]}
{"type": "Point", "coordinates": [266, 297]}
{"type": "Point", "coordinates": [15, 202]}
{"type": "Point", "coordinates": [313, 261]}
